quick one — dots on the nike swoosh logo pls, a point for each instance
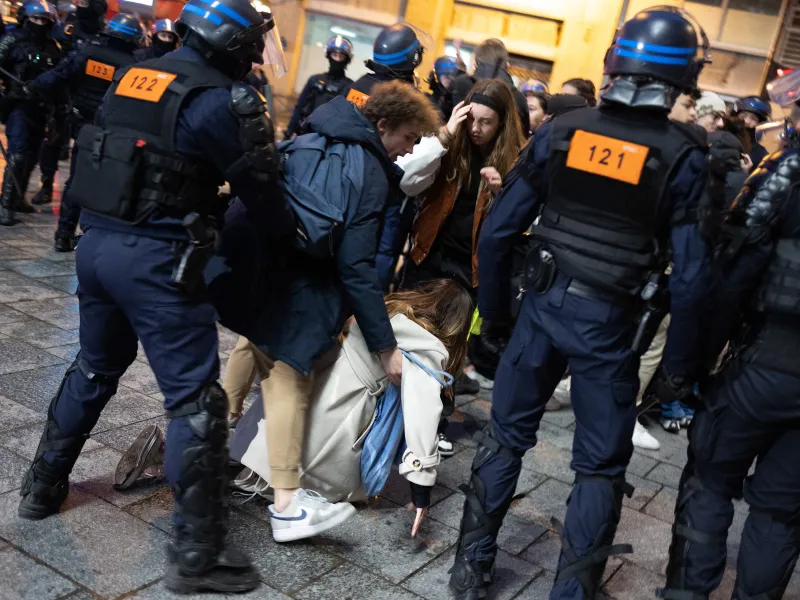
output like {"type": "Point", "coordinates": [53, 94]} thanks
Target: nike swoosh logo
{"type": "Point", "coordinates": [300, 517]}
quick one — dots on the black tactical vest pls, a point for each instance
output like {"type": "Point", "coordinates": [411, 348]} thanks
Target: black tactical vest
{"type": "Point", "coordinates": [100, 63]}
{"type": "Point", "coordinates": [608, 171]}
{"type": "Point", "coordinates": [324, 90]}
{"type": "Point", "coordinates": [133, 160]}
{"type": "Point", "coordinates": [39, 57]}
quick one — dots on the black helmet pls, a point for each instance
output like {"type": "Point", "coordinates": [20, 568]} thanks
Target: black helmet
{"type": "Point", "coordinates": [127, 28]}
{"type": "Point", "coordinates": [90, 11]}
{"type": "Point", "coordinates": [234, 30]}
{"type": "Point", "coordinates": [755, 105]}
{"type": "Point", "coordinates": [398, 48]}
{"type": "Point", "coordinates": [663, 43]}
{"type": "Point", "coordinates": [339, 43]}
{"type": "Point", "coordinates": [37, 8]}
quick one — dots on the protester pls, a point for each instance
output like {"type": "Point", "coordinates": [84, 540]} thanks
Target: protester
{"type": "Point", "coordinates": [710, 111]}
{"type": "Point", "coordinates": [581, 87]}
{"type": "Point", "coordinates": [685, 107]}
{"type": "Point", "coordinates": [753, 111]}
{"type": "Point", "coordinates": [728, 166]}
{"type": "Point", "coordinates": [536, 94]}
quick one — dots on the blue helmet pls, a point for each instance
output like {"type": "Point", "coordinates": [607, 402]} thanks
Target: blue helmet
{"type": "Point", "coordinates": [398, 49]}
{"type": "Point", "coordinates": [234, 29]}
{"type": "Point", "coordinates": [38, 8]}
{"type": "Point", "coordinates": [445, 66]}
{"type": "Point", "coordinates": [127, 28]}
{"type": "Point", "coordinates": [534, 86]}
{"type": "Point", "coordinates": [663, 43]}
{"type": "Point", "coordinates": [164, 26]}
{"type": "Point", "coordinates": [341, 44]}
{"type": "Point", "coordinates": [755, 105]}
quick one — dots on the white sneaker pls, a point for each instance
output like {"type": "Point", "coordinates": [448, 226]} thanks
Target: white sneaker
{"type": "Point", "coordinates": [642, 438]}
{"type": "Point", "coordinates": [484, 382]}
{"type": "Point", "coordinates": [307, 515]}
{"type": "Point", "coordinates": [445, 446]}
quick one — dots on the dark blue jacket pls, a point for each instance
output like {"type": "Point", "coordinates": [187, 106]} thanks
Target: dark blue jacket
{"type": "Point", "coordinates": [301, 304]}
{"type": "Point", "coordinates": [519, 204]}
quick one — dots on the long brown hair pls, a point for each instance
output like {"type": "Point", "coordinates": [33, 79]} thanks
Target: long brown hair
{"type": "Point", "coordinates": [443, 308]}
{"type": "Point", "coordinates": [507, 143]}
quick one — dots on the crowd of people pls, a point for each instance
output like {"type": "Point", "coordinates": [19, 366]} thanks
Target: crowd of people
{"type": "Point", "coordinates": [631, 251]}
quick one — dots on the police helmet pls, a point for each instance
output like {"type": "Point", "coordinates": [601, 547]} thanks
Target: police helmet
{"type": "Point", "coordinates": [755, 105]}
{"type": "Point", "coordinates": [398, 48]}
{"type": "Point", "coordinates": [534, 86]}
{"type": "Point", "coordinates": [91, 10]}
{"type": "Point", "coordinates": [235, 29]}
{"type": "Point", "coordinates": [127, 28]}
{"type": "Point", "coordinates": [65, 7]}
{"type": "Point", "coordinates": [164, 26]}
{"type": "Point", "coordinates": [37, 8]}
{"type": "Point", "coordinates": [341, 44]}
{"type": "Point", "coordinates": [663, 43]}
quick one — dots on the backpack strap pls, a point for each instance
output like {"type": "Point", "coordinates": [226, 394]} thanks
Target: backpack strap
{"type": "Point", "coordinates": [444, 378]}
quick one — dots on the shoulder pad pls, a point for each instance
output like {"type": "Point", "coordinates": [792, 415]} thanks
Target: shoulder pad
{"type": "Point", "coordinates": [767, 189]}
{"type": "Point", "coordinates": [246, 101]}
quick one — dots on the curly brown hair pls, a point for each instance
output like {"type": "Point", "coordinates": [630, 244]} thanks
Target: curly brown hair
{"type": "Point", "coordinates": [399, 103]}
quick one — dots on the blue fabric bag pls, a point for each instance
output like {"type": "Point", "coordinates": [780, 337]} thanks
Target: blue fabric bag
{"type": "Point", "coordinates": [385, 445]}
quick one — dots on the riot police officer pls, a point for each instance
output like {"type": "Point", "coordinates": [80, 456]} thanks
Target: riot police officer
{"type": "Point", "coordinates": [396, 53]}
{"type": "Point", "coordinates": [88, 71]}
{"type": "Point", "coordinates": [25, 53]}
{"type": "Point", "coordinates": [614, 187]}
{"type": "Point", "coordinates": [752, 407]}
{"type": "Point", "coordinates": [163, 39]}
{"type": "Point", "coordinates": [445, 68]}
{"type": "Point", "coordinates": [322, 87]}
{"type": "Point", "coordinates": [89, 20]}
{"type": "Point", "coordinates": [172, 130]}
{"type": "Point", "coordinates": [753, 111]}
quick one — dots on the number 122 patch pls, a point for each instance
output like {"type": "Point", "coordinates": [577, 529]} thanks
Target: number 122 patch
{"type": "Point", "coordinates": [144, 84]}
{"type": "Point", "coordinates": [607, 157]}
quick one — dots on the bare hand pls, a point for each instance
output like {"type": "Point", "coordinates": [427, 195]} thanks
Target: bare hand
{"type": "Point", "coordinates": [421, 512]}
{"type": "Point", "coordinates": [747, 163]}
{"type": "Point", "coordinates": [459, 115]}
{"type": "Point", "coordinates": [392, 361]}
{"type": "Point", "coordinates": [493, 179]}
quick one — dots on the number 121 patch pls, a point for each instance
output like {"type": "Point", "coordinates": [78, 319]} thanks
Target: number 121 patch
{"type": "Point", "coordinates": [607, 157]}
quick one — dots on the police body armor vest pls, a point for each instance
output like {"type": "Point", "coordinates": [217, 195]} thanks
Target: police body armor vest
{"type": "Point", "coordinates": [101, 62]}
{"type": "Point", "coordinates": [39, 58]}
{"type": "Point", "coordinates": [607, 176]}
{"type": "Point", "coordinates": [132, 163]}
{"type": "Point", "coordinates": [360, 91]}
{"type": "Point", "coordinates": [325, 90]}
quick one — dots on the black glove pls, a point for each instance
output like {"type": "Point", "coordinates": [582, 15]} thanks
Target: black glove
{"type": "Point", "coordinates": [495, 334]}
{"type": "Point", "coordinates": [668, 388]}
{"type": "Point", "coordinates": [420, 495]}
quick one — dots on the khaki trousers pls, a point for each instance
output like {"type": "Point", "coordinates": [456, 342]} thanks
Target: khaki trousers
{"type": "Point", "coordinates": [286, 394]}
{"type": "Point", "coordinates": [652, 358]}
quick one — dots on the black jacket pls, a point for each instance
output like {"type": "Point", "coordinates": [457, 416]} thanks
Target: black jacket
{"type": "Point", "coordinates": [724, 165]}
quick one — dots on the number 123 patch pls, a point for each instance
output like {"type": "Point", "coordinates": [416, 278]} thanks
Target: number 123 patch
{"type": "Point", "coordinates": [607, 157]}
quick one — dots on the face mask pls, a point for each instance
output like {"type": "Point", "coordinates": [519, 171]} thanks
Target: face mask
{"type": "Point", "coordinates": [38, 31]}
{"type": "Point", "coordinates": [164, 47]}
{"type": "Point", "coordinates": [336, 67]}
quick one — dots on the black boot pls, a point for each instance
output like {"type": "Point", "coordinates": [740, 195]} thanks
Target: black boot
{"type": "Point", "coordinates": [24, 177]}
{"type": "Point", "coordinates": [45, 194]}
{"type": "Point", "coordinates": [64, 241]}
{"type": "Point", "coordinates": [8, 199]}
{"type": "Point", "coordinates": [199, 559]}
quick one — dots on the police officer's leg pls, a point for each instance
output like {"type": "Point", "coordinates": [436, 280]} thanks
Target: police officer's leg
{"type": "Point", "coordinates": [17, 131]}
{"type": "Point", "coordinates": [771, 536]}
{"type": "Point", "coordinates": [69, 213]}
{"type": "Point", "coordinates": [604, 388]}
{"type": "Point", "coordinates": [527, 374]}
{"type": "Point", "coordinates": [48, 162]}
{"type": "Point", "coordinates": [35, 122]}
{"type": "Point", "coordinates": [723, 445]}
{"type": "Point", "coordinates": [179, 335]}
{"type": "Point", "coordinates": [108, 346]}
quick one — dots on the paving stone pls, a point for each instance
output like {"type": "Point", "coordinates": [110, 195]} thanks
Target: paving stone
{"type": "Point", "coordinates": [140, 377]}
{"type": "Point", "coordinates": [544, 551]}
{"type": "Point", "coordinates": [673, 446]}
{"type": "Point", "coordinates": [548, 460]}
{"type": "Point", "coordinates": [25, 440]}
{"type": "Point", "coordinates": [9, 253]}
{"type": "Point", "coordinates": [12, 469]}
{"type": "Point", "coordinates": [25, 579]}
{"type": "Point", "coordinates": [13, 415]}
{"type": "Point", "coordinates": [47, 252]}
{"type": "Point", "coordinates": [561, 418]}
{"type": "Point", "coordinates": [516, 534]}
{"type": "Point", "coordinates": [546, 501]}
{"type": "Point", "coordinates": [540, 588]}
{"type": "Point", "coordinates": [9, 315]}
{"type": "Point", "coordinates": [457, 470]}
{"type": "Point", "coordinates": [38, 333]}
{"type": "Point", "coordinates": [649, 537]}
{"type": "Point", "coordinates": [128, 407]}
{"type": "Point", "coordinates": [510, 576]}
{"type": "Point", "coordinates": [398, 491]}
{"type": "Point", "coordinates": [556, 436]}
{"type": "Point", "coordinates": [68, 352]}
{"type": "Point", "coordinates": [155, 510]}
{"type": "Point", "coordinates": [349, 581]}
{"type": "Point", "coordinates": [643, 492]}
{"type": "Point", "coordinates": [121, 438]}
{"type": "Point", "coordinates": [91, 542]}
{"type": "Point", "coordinates": [666, 474]}
{"type": "Point", "coordinates": [34, 389]}
{"type": "Point", "coordinates": [61, 312]}
{"type": "Point", "coordinates": [38, 268]}
{"type": "Point", "coordinates": [16, 355]}
{"type": "Point", "coordinates": [65, 283]}
{"type": "Point", "coordinates": [378, 538]}
{"type": "Point", "coordinates": [662, 506]}
{"type": "Point", "coordinates": [632, 582]}
{"type": "Point", "coordinates": [480, 410]}
{"type": "Point", "coordinates": [158, 591]}
{"type": "Point", "coordinates": [94, 473]}
{"type": "Point", "coordinates": [640, 464]}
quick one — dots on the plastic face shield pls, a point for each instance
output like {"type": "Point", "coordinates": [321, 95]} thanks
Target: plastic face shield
{"type": "Point", "coordinates": [273, 47]}
{"type": "Point", "coordinates": [785, 90]}
{"type": "Point", "coordinates": [775, 135]}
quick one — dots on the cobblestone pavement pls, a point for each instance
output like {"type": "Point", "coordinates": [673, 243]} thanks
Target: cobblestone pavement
{"type": "Point", "coordinates": [110, 545]}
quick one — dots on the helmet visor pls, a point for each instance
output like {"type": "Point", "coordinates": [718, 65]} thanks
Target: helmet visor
{"type": "Point", "coordinates": [273, 51]}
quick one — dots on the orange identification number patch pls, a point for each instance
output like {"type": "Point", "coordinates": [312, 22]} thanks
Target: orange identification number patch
{"type": "Point", "coordinates": [99, 70]}
{"type": "Point", "coordinates": [607, 157]}
{"type": "Point", "coordinates": [357, 98]}
{"type": "Point", "coordinates": [144, 84]}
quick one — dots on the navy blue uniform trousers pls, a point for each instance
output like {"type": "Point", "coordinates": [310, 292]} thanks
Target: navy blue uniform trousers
{"type": "Point", "coordinates": [25, 129]}
{"type": "Point", "coordinates": [70, 213]}
{"type": "Point", "coordinates": [125, 293]}
{"type": "Point", "coordinates": [751, 413]}
{"type": "Point", "coordinates": [593, 337]}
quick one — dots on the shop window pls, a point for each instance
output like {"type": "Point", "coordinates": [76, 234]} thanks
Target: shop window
{"type": "Point", "coordinates": [733, 74]}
